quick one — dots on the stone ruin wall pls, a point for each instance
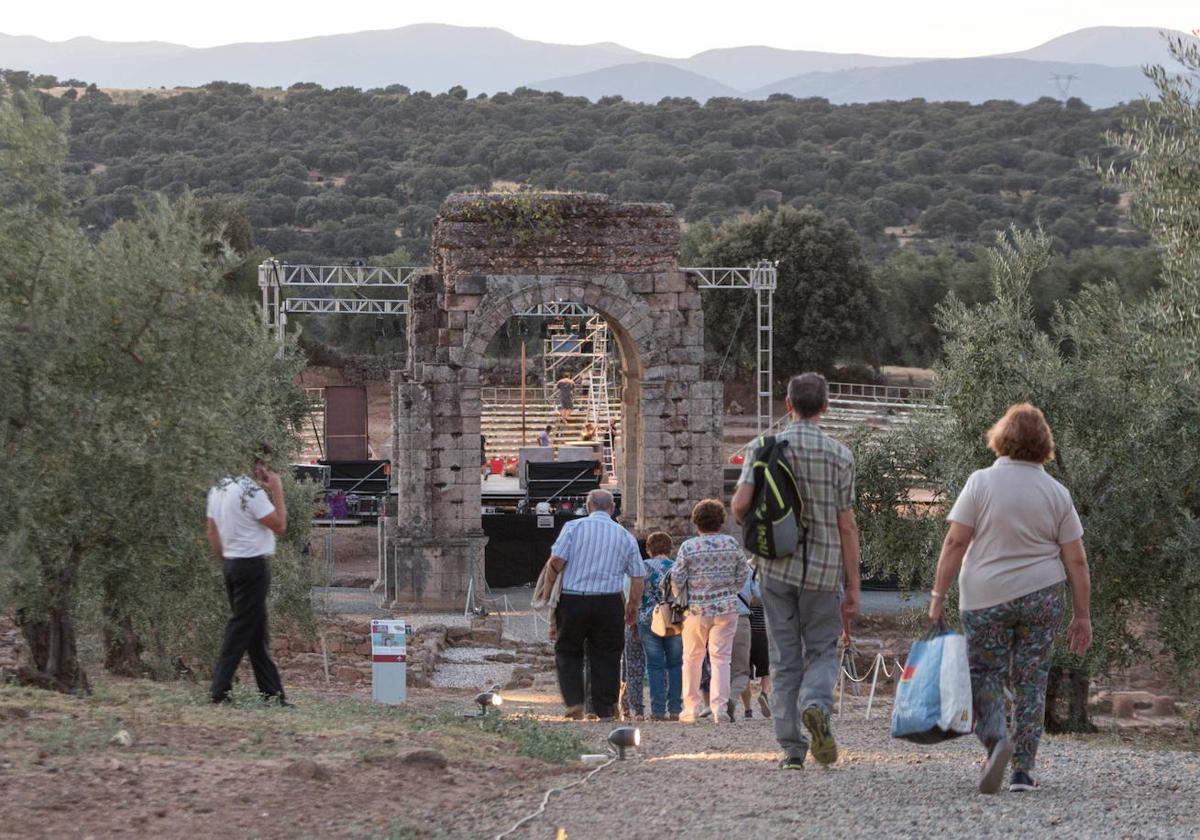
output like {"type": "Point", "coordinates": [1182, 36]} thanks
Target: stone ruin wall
{"type": "Point", "coordinates": [494, 256]}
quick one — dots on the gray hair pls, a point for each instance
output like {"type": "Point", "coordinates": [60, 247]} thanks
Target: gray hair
{"type": "Point", "coordinates": [808, 393]}
{"type": "Point", "coordinates": [600, 500]}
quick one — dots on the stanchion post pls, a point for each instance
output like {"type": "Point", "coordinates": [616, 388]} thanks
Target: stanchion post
{"type": "Point", "coordinates": [874, 680]}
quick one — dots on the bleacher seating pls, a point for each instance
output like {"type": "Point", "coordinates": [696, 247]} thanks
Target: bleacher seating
{"type": "Point", "coordinates": [501, 423]}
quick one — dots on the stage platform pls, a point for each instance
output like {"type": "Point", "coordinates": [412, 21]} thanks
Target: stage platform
{"type": "Point", "coordinates": [503, 492]}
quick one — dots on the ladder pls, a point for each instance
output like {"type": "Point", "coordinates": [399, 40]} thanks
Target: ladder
{"type": "Point", "coordinates": [600, 408]}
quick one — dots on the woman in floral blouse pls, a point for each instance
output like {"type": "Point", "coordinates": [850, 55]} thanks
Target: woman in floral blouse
{"type": "Point", "coordinates": [713, 567]}
{"type": "Point", "coordinates": [663, 655]}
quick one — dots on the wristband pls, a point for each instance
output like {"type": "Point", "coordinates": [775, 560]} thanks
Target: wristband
{"type": "Point", "coordinates": [933, 593]}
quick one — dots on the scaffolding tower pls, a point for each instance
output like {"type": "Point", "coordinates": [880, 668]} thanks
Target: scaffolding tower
{"type": "Point", "coordinates": [590, 347]}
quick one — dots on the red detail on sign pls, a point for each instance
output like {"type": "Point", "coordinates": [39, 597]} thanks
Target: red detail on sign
{"type": "Point", "coordinates": [388, 657]}
{"type": "Point", "coordinates": [909, 672]}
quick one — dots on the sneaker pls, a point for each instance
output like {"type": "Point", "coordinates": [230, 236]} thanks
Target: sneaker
{"type": "Point", "coordinates": [660, 717]}
{"type": "Point", "coordinates": [685, 717]}
{"type": "Point", "coordinates": [1022, 781]}
{"type": "Point", "coordinates": [792, 762]}
{"type": "Point", "coordinates": [823, 747]}
{"type": "Point", "coordinates": [731, 711]}
{"type": "Point", "coordinates": [764, 705]}
{"type": "Point", "coordinates": [674, 716]}
{"type": "Point", "coordinates": [573, 713]}
{"type": "Point", "coordinates": [705, 712]}
{"type": "Point", "coordinates": [993, 769]}
{"type": "Point", "coordinates": [748, 714]}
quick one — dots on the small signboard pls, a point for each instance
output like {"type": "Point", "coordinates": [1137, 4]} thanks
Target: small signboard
{"type": "Point", "coordinates": [389, 654]}
{"type": "Point", "coordinates": [545, 521]}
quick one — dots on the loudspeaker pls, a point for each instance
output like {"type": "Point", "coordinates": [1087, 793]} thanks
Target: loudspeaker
{"type": "Point", "coordinates": [561, 479]}
{"type": "Point", "coordinates": [365, 478]}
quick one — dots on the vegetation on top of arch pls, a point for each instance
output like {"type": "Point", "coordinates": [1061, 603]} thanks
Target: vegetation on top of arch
{"type": "Point", "coordinates": [526, 214]}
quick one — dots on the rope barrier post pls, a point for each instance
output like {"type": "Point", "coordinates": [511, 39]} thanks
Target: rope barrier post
{"type": "Point", "coordinates": [842, 682]}
{"type": "Point", "coordinates": [874, 681]}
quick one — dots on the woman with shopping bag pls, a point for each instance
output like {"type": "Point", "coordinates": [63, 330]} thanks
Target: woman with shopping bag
{"type": "Point", "coordinates": [1014, 538]}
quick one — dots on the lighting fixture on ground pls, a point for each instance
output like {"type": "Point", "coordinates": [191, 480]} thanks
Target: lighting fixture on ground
{"type": "Point", "coordinates": [623, 737]}
{"type": "Point", "coordinates": [488, 699]}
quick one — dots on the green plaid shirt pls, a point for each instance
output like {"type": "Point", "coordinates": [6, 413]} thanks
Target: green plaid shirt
{"type": "Point", "coordinates": [824, 470]}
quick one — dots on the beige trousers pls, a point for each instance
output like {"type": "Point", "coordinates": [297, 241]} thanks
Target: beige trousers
{"type": "Point", "coordinates": [714, 635]}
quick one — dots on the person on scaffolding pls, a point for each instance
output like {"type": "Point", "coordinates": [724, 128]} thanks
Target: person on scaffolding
{"type": "Point", "coordinates": [566, 398]}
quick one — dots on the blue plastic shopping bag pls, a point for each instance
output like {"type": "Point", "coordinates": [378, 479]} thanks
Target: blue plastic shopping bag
{"type": "Point", "coordinates": [933, 699]}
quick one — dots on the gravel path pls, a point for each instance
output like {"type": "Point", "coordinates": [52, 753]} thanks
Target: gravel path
{"type": "Point", "coordinates": [704, 780]}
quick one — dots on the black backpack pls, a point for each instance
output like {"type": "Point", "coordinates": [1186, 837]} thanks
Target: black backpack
{"type": "Point", "coordinates": [774, 528]}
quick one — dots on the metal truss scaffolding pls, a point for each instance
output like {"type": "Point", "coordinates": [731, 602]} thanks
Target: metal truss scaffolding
{"type": "Point", "coordinates": [274, 277]}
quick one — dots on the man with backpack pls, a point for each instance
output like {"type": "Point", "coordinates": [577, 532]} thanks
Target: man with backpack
{"type": "Point", "coordinates": [796, 498]}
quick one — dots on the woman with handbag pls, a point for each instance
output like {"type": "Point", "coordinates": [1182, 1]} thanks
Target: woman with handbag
{"type": "Point", "coordinates": [712, 566]}
{"type": "Point", "coordinates": [664, 649]}
{"type": "Point", "coordinates": [1016, 537]}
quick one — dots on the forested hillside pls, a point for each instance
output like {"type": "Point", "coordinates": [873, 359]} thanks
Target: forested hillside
{"type": "Point", "coordinates": [340, 174]}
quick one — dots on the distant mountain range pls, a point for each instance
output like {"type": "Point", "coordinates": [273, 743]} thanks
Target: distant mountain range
{"type": "Point", "coordinates": [1100, 65]}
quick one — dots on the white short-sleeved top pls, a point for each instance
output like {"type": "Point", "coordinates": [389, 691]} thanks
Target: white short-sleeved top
{"type": "Point", "coordinates": [1021, 515]}
{"type": "Point", "coordinates": [236, 505]}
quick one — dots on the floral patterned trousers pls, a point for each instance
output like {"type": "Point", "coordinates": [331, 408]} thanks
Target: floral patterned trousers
{"type": "Point", "coordinates": [633, 675]}
{"type": "Point", "coordinates": [1014, 639]}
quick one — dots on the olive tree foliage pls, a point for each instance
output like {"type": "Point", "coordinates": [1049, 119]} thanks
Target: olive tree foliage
{"type": "Point", "coordinates": [1119, 382]}
{"type": "Point", "coordinates": [1125, 423]}
{"type": "Point", "coordinates": [129, 382]}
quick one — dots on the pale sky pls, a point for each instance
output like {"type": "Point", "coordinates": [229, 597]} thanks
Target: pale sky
{"type": "Point", "coordinates": [948, 28]}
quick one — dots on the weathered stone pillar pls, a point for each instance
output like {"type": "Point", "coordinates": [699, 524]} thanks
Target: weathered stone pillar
{"type": "Point", "coordinates": [436, 547]}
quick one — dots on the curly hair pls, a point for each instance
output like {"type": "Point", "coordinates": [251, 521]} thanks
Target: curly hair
{"type": "Point", "coordinates": [1023, 435]}
{"type": "Point", "coordinates": [708, 515]}
{"type": "Point", "coordinates": [659, 544]}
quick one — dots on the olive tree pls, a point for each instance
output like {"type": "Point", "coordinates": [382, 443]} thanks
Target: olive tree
{"type": "Point", "coordinates": [129, 382]}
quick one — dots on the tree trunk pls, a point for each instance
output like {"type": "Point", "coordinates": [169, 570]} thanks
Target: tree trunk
{"type": "Point", "coordinates": [122, 646]}
{"type": "Point", "coordinates": [1070, 686]}
{"type": "Point", "coordinates": [53, 658]}
{"type": "Point", "coordinates": [52, 650]}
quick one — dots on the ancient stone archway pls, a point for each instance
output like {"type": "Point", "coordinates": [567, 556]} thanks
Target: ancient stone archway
{"type": "Point", "coordinates": [496, 256]}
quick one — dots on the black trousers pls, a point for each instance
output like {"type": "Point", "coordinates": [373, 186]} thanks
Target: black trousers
{"type": "Point", "coordinates": [248, 581]}
{"type": "Point", "coordinates": [597, 623]}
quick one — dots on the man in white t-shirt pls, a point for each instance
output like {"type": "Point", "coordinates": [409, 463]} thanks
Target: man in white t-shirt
{"type": "Point", "coordinates": [243, 519]}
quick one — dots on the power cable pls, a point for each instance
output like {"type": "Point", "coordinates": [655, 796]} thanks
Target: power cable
{"type": "Point", "coordinates": [541, 809]}
{"type": "Point", "coordinates": [732, 336]}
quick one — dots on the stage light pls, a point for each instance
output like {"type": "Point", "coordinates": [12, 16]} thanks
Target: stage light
{"type": "Point", "coordinates": [623, 737]}
{"type": "Point", "coordinates": [488, 699]}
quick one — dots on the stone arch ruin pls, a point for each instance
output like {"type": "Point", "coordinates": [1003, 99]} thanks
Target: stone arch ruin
{"type": "Point", "coordinates": [496, 255]}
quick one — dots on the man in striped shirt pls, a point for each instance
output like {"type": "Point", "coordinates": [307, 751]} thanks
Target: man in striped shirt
{"type": "Point", "coordinates": [594, 555]}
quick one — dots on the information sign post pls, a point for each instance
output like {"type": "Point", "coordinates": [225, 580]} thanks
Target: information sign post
{"type": "Point", "coordinates": [389, 656]}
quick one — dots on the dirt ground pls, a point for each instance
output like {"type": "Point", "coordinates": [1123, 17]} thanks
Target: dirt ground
{"type": "Point", "coordinates": [333, 766]}
{"type": "Point", "coordinates": [143, 758]}
{"type": "Point", "coordinates": [337, 766]}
